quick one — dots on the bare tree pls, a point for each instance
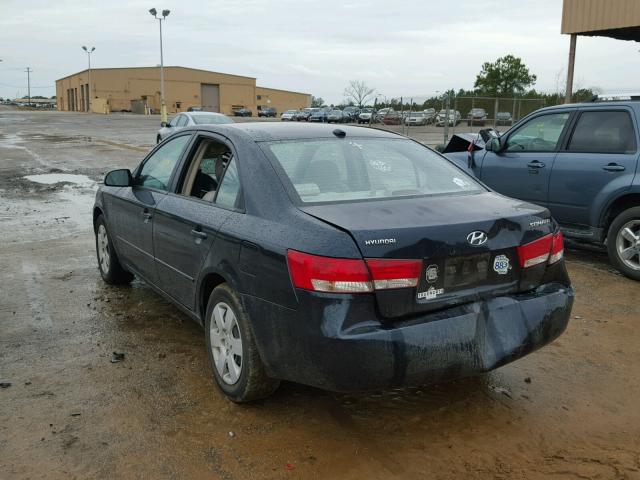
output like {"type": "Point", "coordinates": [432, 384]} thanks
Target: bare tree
{"type": "Point", "coordinates": [358, 92]}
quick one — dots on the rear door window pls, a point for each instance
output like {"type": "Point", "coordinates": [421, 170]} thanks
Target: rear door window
{"type": "Point", "coordinates": [603, 132]}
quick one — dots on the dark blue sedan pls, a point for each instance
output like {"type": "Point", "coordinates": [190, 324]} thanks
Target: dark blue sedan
{"type": "Point", "coordinates": [349, 259]}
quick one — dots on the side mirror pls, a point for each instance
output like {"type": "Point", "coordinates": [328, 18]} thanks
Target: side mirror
{"type": "Point", "coordinates": [494, 145]}
{"type": "Point", "coordinates": [163, 124]}
{"type": "Point", "coordinates": [119, 178]}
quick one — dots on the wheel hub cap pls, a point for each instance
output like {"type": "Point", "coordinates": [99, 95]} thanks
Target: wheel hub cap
{"type": "Point", "coordinates": [104, 256]}
{"type": "Point", "coordinates": [628, 244]}
{"type": "Point", "coordinates": [226, 343]}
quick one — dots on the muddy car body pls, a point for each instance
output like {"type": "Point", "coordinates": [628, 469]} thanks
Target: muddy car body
{"type": "Point", "coordinates": [345, 278]}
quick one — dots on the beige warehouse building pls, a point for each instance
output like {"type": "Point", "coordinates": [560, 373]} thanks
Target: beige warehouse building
{"type": "Point", "coordinates": [137, 89]}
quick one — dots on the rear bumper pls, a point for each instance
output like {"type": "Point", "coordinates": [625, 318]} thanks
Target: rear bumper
{"type": "Point", "coordinates": [338, 343]}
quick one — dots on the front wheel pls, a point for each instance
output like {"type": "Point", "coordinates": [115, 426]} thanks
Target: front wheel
{"type": "Point", "coordinates": [111, 270]}
{"type": "Point", "coordinates": [237, 367]}
{"type": "Point", "coordinates": [623, 243]}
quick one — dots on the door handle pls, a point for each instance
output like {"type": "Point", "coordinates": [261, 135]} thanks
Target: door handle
{"type": "Point", "coordinates": [198, 234]}
{"type": "Point", "coordinates": [146, 214]}
{"type": "Point", "coordinates": [613, 167]}
{"type": "Point", "coordinates": [535, 164]}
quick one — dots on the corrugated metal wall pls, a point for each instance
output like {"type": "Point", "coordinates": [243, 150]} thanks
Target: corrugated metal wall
{"type": "Point", "coordinates": [581, 16]}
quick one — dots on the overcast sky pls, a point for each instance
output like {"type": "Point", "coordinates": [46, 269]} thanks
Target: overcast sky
{"type": "Point", "coordinates": [407, 48]}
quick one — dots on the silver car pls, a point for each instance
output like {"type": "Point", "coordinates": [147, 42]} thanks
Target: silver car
{"type": "Point", "coordinates": [189, 119]}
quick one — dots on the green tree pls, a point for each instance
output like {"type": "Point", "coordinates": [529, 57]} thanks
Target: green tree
{"type": "Point", "coordinates": [507, 75]}
{"type": "Point", "coordinates": [317, 101]}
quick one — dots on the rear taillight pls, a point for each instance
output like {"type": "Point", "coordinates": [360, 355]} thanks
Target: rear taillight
{"type": "Point", "coordinates": [341, 275]}
{"type": "Point", "coordinates": [557, 248]}
{"type": "Point", "coordinates": [390, 273]}
{"type": "Point", "coordinates": [549, 248]}
{"type": "Point", "coordinates": [326, 274]}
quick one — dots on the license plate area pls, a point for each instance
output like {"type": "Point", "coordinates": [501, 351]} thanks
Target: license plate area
{"type": "Point", "coordinates": [461, 272]}
{"type": "Point", "coordinates": [446, 279]}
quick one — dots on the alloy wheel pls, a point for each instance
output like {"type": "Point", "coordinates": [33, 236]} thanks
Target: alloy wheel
{"type": "Point", "coordinates": [226, 343]}
{"type": "Point", "coordinates": [628, 244]}
{"type": "Point", "coordinates": [104, 256]}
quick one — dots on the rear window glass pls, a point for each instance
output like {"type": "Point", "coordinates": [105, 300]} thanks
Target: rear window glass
{"type": "Point", "coordinates": [210, 119]}
{"type": "Point", "coordinates": [364, 168]}
{"type": "Point", "coordinates": [603, 132]}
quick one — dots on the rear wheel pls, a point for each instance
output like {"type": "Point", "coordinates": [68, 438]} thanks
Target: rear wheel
{"type": "Point", "coordinates": [111, 270]}
{"type": "Point", "coordinates": [237, 367]}
{"type": "Point", "coordinates": [623, 243]}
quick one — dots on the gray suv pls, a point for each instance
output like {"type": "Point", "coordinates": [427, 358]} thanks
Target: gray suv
{"type": "Point", "coordinates": [581, 162]}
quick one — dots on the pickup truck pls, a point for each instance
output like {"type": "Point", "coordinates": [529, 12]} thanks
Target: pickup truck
{"type": "Point", "coordinates": [578, 160]}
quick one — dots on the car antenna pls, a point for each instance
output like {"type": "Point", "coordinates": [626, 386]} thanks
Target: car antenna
{"type": "Point", "coordinates": [339, 133]}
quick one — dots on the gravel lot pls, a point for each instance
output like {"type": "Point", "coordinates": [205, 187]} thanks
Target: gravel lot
{"type": "Point", "coordinates": [569, 410]}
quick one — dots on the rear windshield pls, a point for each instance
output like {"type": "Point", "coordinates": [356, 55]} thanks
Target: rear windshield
{"type": "Point", "coordinates": [210, 119]}
{"type": "Point", "coordinates": [340, 170]}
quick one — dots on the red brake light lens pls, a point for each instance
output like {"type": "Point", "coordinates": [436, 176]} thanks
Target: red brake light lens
{"type": "Point", "coordinates": [557, 248]}
{"type": "Point", "coordinates": [342, 275]}
{"type": "Point", "coordinates": [327, 274]}
{"type": "Point", "coordinates": [536, 252]}
{"type": "Point", "coordinates": [391, 273]}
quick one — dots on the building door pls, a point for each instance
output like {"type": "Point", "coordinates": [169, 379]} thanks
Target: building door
{"type": "Point", "coordinates": [210, 96]}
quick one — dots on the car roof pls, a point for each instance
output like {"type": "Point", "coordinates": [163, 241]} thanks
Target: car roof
{"type": "Point", "coordinates": [617, 103]}
{"type": "Point", "coordinates": [272, 131]}
{"type": "Point", "coordinates": [205, 113]}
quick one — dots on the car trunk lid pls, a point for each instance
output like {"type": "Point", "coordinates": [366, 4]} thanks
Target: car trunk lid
{"type": "Point", "coordinates": [437, 230]}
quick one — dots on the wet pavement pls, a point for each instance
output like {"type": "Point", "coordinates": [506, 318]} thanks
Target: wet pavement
{"type": "Point", "coordinates": [570, 410]}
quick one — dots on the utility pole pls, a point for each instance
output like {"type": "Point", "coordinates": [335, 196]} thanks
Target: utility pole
{"type": "Point", "coordinates": [28, 70]}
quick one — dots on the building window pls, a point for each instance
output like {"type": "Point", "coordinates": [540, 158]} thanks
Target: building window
{"type": "Point", "coordinates": [259, 97]}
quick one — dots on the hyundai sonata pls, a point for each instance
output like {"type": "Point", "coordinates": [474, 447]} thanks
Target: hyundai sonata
{"type": "Point", "coordinates": [345, 258]}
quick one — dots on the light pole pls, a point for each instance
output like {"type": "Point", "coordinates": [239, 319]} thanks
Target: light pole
{"type": "Point", "coordinates": [89, 52]}
{"type": "Point", "coordinates": [29, 70]}
{"type": "Point", "coordinates": [163, 106]}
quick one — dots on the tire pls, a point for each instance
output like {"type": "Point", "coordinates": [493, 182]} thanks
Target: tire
{"type": "Point", "coordinates": [109, 265]}
{"type": "Point", "coordinates": [624, 236]}
{"type": "Point", "coordinates": [227, 325]}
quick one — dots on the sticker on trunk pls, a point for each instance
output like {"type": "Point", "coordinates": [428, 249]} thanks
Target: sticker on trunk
{"type": "Point", "coordinates": [432, 273]}
{"type": "Point", "coordinates": [431, 293]}
{"type": "Point", "coordinates": [501, 264]}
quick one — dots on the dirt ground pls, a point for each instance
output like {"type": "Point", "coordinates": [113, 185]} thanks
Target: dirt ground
{"type": "Point", "coordinates": [570, 410]}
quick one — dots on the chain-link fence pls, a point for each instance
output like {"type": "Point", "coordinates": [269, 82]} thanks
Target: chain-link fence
{"type": "Point", "coordinates": [433, 121]}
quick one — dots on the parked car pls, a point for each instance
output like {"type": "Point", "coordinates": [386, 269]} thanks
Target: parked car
{"type": "Point", "coordinates": [367, 115]}
{"type": "Point", "coordinates": [336, 116]}
{"type": "Point", "coordinates": [189, 119]}
{"type": "Point", "coordinates": [430, 113]}
{"type": "Point", "coordinates": [453, 118]}
{"type": "Point", "coordinates": [504, 118]}
{"type": "Point", "coordinates": [242, 112]}
{"type": "Point", "coordinates": [345, 258]}
{"type": "Point", "coordinates": [477, 116]}
{"type": "Point", "coordinates": [267, 112]}
{"type": "Point", "coordinates": [391, 118]}
{"type": "Point", "coordinates": [382, 112]}
{"type": "Point", "coordinates": [194, 109]}
{"type": "Point", "coordinates": [580, 161]}
{"type": "Point", "coordinates": [351, 113]}
{"type": "Point", "coordinates": [416, 118]}
{"type": "Point", "coordinates": [305, 114]}
{"type": "Point", "coordinates": [289, 115]}
{"type": "Point", "coordinates": [320, 115]}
